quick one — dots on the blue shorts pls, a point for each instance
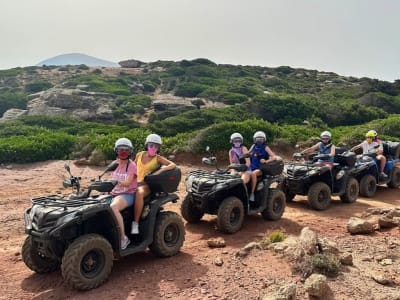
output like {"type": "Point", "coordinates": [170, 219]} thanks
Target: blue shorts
{"type": "Point", "coordinates": [129, 198]}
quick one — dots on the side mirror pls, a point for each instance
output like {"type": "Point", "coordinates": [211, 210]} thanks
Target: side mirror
{"type": "Point", "coordinates": [66, 167]}
{"type": "Point", "coordinates": [207, 148]}
{"type": "Point", "coordinates": [210, 161]}
{"type": "Point", "coordinates": [67, 183]}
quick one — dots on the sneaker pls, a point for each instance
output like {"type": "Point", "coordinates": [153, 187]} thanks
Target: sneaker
{"type": "Point", "coordinates": [125, 242]}
{"type": "Point", "coordinates": [251, 198]}
{"type": "Point", "coordinates": [135, 228]}
{"type": "Point", "coordinates": [383, 175]}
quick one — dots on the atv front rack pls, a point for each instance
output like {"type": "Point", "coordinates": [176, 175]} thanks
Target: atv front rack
{"type": "Point", "coordinates": [62, 201]}
{"type": "Point", "coordinates": [201, 174]}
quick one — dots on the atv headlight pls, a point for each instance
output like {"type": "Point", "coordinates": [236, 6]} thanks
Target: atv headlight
{"type": "Point", "coordinates": [339, 175]}
{"type": "Point", "coordinates": [189, 183]}
{"type": "Point", "coordinates": [313, 172]}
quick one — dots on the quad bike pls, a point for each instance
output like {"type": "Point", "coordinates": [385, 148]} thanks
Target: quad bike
{"type": "Point", "coordinates": [79, 233]}
{"type": "Point", "coordinates": [224, 194]}
{"type": "Point", "coordinates": [367, 170]}
{"type": "Point", "coordinates": [320, 179]}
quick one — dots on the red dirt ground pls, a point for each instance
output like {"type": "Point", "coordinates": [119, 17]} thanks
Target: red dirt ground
{"type": "Point", "coordinates": [192, 274]}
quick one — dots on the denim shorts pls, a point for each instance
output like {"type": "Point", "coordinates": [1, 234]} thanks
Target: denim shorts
{"type": "Point", "coordinates": [129, 198]}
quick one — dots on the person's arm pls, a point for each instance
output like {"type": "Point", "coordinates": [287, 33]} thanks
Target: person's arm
{"type": "Point", "coordinates": [165, 165]}
{"type": "Point", "coordinates": [247, 159]}
{"type": "Point", "coordinates": [310, 149]}
{"type": "Point", "coordinates": [379, 150]}
{"type": "Point", "coordinates": [356, 147]}
{"type": "Point", "coordinates": [230, 156]}
{"type": "Point", "coordinates": [333, 150]}
{"type": "Point", "coordinates": [272, 156]}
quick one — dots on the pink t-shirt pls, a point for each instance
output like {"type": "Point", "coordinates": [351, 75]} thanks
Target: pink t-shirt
{"type": "Point", "coordinates": [121, 174]}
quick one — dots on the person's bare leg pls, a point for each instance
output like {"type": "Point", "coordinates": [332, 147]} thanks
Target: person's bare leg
{"type": "Point", "coordinates": [117, 205]}
{"type": "Point", "coordinates": [382, 160]}
{"type": "Point", "coordinates": [141, 193]}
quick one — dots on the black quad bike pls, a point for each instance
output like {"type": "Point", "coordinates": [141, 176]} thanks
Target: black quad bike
{"type": "Point", "coordinates": [319, 179]}
{"type": "Point", "coordinates": [367, 170]}
{"type": "Point", "coordinates": [80, 234]}
{"type": "Point", "coordinates": [225, 195]}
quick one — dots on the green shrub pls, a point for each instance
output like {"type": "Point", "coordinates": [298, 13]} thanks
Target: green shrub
{"type": "Point", "coordinates": [189, 89]}
{"type": "Point", "coordinates": [327, 264]}
{"type": "Point", "coordinates": [37, 86]}
{"type": "Point", "coordinates": [277, 236]}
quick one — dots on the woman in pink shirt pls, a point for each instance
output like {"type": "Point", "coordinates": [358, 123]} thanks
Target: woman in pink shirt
{"type": "Point", "coordinates": [124, 192]}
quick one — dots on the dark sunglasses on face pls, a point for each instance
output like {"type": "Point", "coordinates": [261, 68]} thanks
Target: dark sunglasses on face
{"type": "Point", "coordinates": [152, 145]}
{"type": "Point", "coordinates": [123, 150]}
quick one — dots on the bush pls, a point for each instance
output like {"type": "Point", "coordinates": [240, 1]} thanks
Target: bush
{"type": "Point", "coordinates": [277, 236]}
{"type": "Point", "coordinates": [37, 86]}
{"type": "Point", "coordinates": [189, 89]}
{"type": "Point", "coordinates": [327, 264]}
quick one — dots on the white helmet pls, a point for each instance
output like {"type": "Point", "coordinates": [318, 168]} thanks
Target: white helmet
{"type": "Point", "coordinates": [123, 142]}
{"type": "Point", "coordinates": [259, 134]}
{"type": "Point", "coordinates": [236, 135]}
{"type": "Point", "coordinates": [326, 134]}
{"type": "Point", "coordinates": [153, 138]}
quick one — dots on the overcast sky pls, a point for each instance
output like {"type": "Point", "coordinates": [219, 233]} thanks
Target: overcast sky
{"type": "Point", "coordinates": [348, 37]}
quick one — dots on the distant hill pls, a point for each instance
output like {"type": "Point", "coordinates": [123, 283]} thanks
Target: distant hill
{"type": "Point", "coordinates": [77, 59]}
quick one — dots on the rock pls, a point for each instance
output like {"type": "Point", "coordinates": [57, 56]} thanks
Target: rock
{"type": "Point", "coordinates": [359, 226]}
{"type": "Point", "coordinates": [346, 259]}
{"type": "Point", "coordinates": [327, 246]}
{"type": "Point", "coordinates": [381, 278]}
{"type": "Point", "coordinates": [285, 292]}
{"type": "Point", "coordinates": [218, 261]}
{"type": "Point", "coordinates": [13, 113]}
{"type": "Point", "coordinates": [386, 222]}
{"type": "Point", "coordinates": [251, 246]}
{"type": "Point", "coordinates": [216, 242]}
{"type": "Point", "coordinates": [386, 262]}
{"type": "Point", "coordinates": [316, 286]}
{"type": "Point", "coordinates": [308, 240]}
{"type": "Point", "coordinates": [131, 63]}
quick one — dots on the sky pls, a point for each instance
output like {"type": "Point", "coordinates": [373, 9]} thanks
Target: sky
{"type": "Point", "coordinates": [359, 38]}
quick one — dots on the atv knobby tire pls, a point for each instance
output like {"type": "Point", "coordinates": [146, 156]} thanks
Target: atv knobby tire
{"type": "Point", "coordinates": [35, 260]}
{"type": "Point", "coordinates": [351, 192]}
{"type": "Point", "coordinates": [169, 234]}
{"type": "Point", "coordinates": [368, 186]}
{"type": "Point", "coordinates": [230, 215]}
{"type": "Point", "coordinates": [87, 262]}
{"type": "Point", "coordinates": [395, 178]}
{"type": "Point", "coordinates": [319, 196]}
{"type": "Point", "coordinates": [276, 203]}
{"type": "Point", "coordinates": [189, 212]}
{"type": "Point", "coordinates": [288, 194]}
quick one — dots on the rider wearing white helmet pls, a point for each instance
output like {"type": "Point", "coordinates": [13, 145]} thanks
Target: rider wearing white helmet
{"type": "Point", "coordinates": [373, 145]}
{"type": "Point", "coordinates": [324, 146]}
{"type": "Point", "coordinates": [148, 161]}
{"type": "Point", "coordinates": [124, 191]}
{"type": "Point", "coordinates": [260, 154]}
{"type": "Point", "coordinates": [237, 150]}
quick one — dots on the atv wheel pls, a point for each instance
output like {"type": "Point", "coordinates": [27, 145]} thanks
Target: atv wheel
{"type": "Point", "coordinates": [351, 192]}
{"type": "Point", "coordinates": [275, 205]}
{"type": "Point", "coordinates": [319, 196]}
{"type": "Point", "coordinates": [189, 212]}
{"type": "Point", "coordinates": [35, 260]}
{"type": "Point", "coordinates": [169, 234]}
{"type": "Point", "coordinates": [230, 215]}
{"type": "Point", "coordinates": [395, 178]}
{"type": "Point", "coordinates": [288, 194]}
{"type": "Point", "coordinates": [368, 186]}
{"type": "Point", "coordinates": [87, 262]}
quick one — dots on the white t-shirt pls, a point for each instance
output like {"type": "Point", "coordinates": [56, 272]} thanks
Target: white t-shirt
{"type": "Point", "coordinates": [370, 148]}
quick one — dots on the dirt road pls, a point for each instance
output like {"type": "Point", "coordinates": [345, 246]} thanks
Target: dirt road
{"type": "Point", "coordinates": [192, 273]}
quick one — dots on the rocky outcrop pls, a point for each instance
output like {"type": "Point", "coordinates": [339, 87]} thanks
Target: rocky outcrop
{"type": "Point", "coordinates": [67, 102]}
{"type": "Point", "coordinates": [131, 63]}
{"type": "Point", "coordinates": [164, 102]}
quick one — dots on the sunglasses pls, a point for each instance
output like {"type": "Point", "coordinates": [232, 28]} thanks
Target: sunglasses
{"type": "Point", "coordinates": [123, 150]}
{"type": "Point", "coordinates": [237, 140]}
{"type": "Point", "coordinates": [152, 145]}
